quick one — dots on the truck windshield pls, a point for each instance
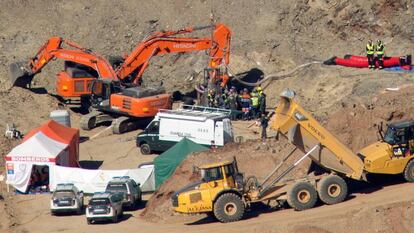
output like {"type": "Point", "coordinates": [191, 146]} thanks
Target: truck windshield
{"type": "Point", "coordinates": [60, 194]}
{"type": "Point", "coordinates": [394, 136]}
{"type": "Point", "coordinates": [153, 127]}
{"type": "Point", "coordinates": [211, 174]}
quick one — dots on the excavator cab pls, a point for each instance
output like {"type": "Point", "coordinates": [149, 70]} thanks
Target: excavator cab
{"type": "Point", "coordinates": [102, 89]}
{"type": "Point", "coordinates": [75, 80]}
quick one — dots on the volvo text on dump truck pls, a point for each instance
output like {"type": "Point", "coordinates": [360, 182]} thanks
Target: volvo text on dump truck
{"type": "Point", "coordinates": [170, 126]}
{"type": "Point", "coordinates": [225, 192]}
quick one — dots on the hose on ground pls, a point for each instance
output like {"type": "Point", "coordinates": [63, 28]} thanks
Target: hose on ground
{"type": "Point", "coordinates": [272, 77]}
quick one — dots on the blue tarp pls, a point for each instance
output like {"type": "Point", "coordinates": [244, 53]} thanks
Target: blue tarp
{"type": "Point", "coordinates": [399, 69]}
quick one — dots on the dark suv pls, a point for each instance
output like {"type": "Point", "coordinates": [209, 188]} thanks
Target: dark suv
{"type": "Point", "coordinates": [128, 187]}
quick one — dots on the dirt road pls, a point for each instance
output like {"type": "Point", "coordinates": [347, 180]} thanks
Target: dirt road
{"type": "Point", "coordinates": [388, 209]}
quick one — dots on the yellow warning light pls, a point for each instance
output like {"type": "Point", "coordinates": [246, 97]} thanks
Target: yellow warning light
{"type": "Point", "coordinates": [145, 109]}
{"type": "Point", "coordinates": [65, 88]}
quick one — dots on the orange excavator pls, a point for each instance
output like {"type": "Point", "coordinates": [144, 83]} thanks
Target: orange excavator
{"type": "Point", "coordinates": [81, 67]}
{"type": "Point", "coordinates": [161, 43]}
{"type": "Point", "coordinates": [116, 94]}
{"type": "Point", "coordinates": [115, 99]}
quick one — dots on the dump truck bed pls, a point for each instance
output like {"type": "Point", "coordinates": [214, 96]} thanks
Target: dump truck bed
{"type": "Point", "coordinates": [302, 130]}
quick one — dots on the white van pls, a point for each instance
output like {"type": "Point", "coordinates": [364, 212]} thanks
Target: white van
{"type": "Point", "coordinates": [170, 126]}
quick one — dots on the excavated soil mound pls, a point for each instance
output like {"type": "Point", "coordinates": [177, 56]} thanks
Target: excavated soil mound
{"type": "Point", "coordinates": [253, 157]}
{"type": "Point", "coordinates": [356, 125]}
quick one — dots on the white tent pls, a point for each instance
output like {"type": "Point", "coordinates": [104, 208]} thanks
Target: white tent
{"type": "Point", "coordinates": [90, 181]}
{"type": "Point", "coordinates": [39, 149]}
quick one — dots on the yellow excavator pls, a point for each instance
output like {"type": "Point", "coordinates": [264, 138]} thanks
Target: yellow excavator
{"type": "Point", "coordinates": [225, 192]}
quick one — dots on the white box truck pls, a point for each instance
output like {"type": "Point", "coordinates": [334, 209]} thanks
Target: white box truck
{"type": "Point", "coordinates": [170, 126]}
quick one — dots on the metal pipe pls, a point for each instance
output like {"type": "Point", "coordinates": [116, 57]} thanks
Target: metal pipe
{"type": "Point", "coordinates": [287, 170]}
{"type": "Point", "coordinates": [278, 166]}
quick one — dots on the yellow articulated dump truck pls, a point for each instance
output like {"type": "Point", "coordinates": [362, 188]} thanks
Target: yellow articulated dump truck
{"type": "Point", "coordinates": [225, 192]}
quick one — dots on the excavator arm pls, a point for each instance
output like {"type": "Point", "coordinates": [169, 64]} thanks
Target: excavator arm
{"type": "Point", "coordinates": [22, 73]}
{"type": "Point", "coordinates": [161, 43]}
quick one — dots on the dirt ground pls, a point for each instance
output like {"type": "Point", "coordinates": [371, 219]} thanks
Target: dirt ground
{"type": "Point", "coordinates": [268, 37]}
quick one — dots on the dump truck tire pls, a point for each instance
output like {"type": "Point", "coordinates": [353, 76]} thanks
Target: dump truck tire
{"type": "Point", "coordinates": [409, 171]}
{"type": "Point", "coordinates": [302, 195]}
{"type": "Point", "coordinates": [145, 149]}
{"type": "Point", "coordinates": [228, 208]}
{"type": "Point", "coordinates": [332, 189]}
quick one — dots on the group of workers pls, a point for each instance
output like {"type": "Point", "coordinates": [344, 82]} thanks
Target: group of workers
{"type": "Point", "coordinates": [375, 52]}
{"type": "Point", "coordinates": [252, 104]}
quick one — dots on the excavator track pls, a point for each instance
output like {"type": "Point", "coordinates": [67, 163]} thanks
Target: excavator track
{"type": "Point", "coordinates": [93, 119]}
{"type": "Point", "coordinates": [124, 124]}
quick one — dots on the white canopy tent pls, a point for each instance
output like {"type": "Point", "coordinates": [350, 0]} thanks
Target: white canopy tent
{"type": "Point", "coordinates": [37, 150]}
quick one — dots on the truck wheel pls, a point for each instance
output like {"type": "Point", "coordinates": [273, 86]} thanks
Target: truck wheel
{"type": "Point", "coordinates": [145, 149]}
{"type": "Point", "coordinates": [409, 171]}
{"type": "Point", "coordinates": [302, 195]}
{"type": "Point", "coordinates": [332, 189]}
{"type": "Point", "coordinates": [115, 218]}
{"type": "Point", "coordinates": [228, 208]}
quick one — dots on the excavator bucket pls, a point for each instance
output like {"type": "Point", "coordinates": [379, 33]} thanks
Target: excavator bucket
{"type": "Point", "coordinates": [19, 74]}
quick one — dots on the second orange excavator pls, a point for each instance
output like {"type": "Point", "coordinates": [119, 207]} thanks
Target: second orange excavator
{"type": "Point", "coordinates": [115, 98]}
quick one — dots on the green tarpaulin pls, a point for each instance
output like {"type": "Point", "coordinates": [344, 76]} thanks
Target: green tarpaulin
{"type": "Point", "coordinates": [166, 163]}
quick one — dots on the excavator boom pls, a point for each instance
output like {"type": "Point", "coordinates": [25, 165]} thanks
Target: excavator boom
{"type": "Point", "coordinates": [302, 130]}
{"type": "Point", "coordinates": [22, 73]}
{"type": "Point", "coordinates": [161, 43]}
